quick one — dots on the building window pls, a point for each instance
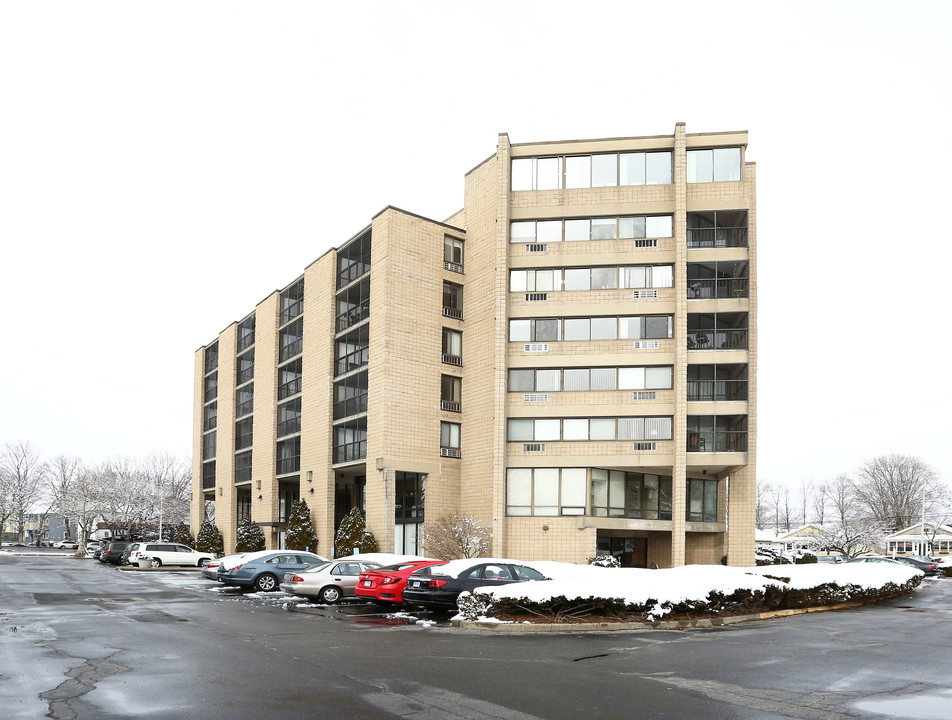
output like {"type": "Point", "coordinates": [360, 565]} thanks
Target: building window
{"type": "Point", "coordinates": [353, 349]}
{"type": "Point", "coordinates": [353, 305]}
{"type": "Point", "coordinates": [243, 467]}
{"type": "Point", "coordinates": [208, 475]}
{"type": "Point", "coordinates": [244, 433]}
{"type": "Point", "coordinates": [409, 495]}
{"type": "Point", "coordinates": [630, 495]}
{"type": "Point", "coordinates": [717, 331]}
{"type": "Point", "coordinates": [724, 228]}
{"type": "Point", "coordinates": [289, 417]}
{"type": "Point", "coordinates": [289, 379]}
{"type": "Point", "coordinates": [717, 433]}
{"type": "Point", "coordinates": [211, 386]}
{"type": "Point", "coordinates": [585, 171]}
{"type": "Point", "coordinates": [449, 437]}
{"type": "Point", "coordinates": [452, 300]}
{"type": "Point", "coordinates": [707, 280]}
{"type": "Point", "coordinates": [246, 333]}
{"type": "Point", "coordinates": [208, 445]}
{"type": "Point", "coordinates": [291, 340]}
{"type": "Point", "coordinates": [350, 395]}
{"type": "Point", "coordinates": [717, 383]}
{"type": "Point", "coordinates": [634, 227]}
{"type": "Point", "coordinates": [452, 347]}
{"type": "Point", "coordinates": [350, 440]}
{"type": "Point", "coordinates": [245, 400]}
{"type": "Point", "coordinates": [542, 330]}
{"type": "Point", "coordinates": [292, 301]}
{"type": "Point", "coordinates": [588, 429]}
{"type": "Point", "coordinates": [585, 379]}
{"type": "Point", "coordinates": [211, 357]}
{"type": "Point", "coordinates": [353, 260]}
{"type": "Point", "coordinates": [210, 416]}
{"type": "Point", "coordinates": [702, 500]}
{"type": "Point", "coordinates": [717, 165]}
{"type": "Point", "coordinates": [582, 329]}
{"type": "Point", "coordinates": [246, 367]}
{"type": "Point", "coordinates": [288, 455]}
{"type": "Point", "coordinates": [545, 491]}
{"type": "Point", "coordinates": [451, 393]}
{"type": "Point", "coordinates": [453, 253]}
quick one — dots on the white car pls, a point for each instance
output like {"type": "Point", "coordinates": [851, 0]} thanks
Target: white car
{"type": "Point", "coordinates": [169, 554]}
{"type": "Point", "coordinates": [66, 545]}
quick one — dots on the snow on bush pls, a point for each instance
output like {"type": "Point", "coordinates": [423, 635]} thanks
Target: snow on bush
{"type": "Point", "coordinates": [606, 561]}
{"type": "Point", "coordinates": [577, 591]}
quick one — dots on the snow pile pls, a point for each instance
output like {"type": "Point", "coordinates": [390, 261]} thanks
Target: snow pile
{"type": "Point", "coordinates": [657, 592]}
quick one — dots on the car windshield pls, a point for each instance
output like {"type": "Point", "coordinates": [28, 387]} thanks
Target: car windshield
{"type": "Point", "coordinates": [396, 567]}
{"type": "Point", "coordinates": [316, 568]}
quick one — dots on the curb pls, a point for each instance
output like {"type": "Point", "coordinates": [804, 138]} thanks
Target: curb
{"type": "Point", "coordinates": [163, 568]}
{"type": "Point", "coordinates": [696, 624]}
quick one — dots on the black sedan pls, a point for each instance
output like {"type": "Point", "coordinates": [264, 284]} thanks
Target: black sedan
{"type": "Point", "coordinates": [928, 567]}
{"type": "Point", "coordinates": [438, 586]}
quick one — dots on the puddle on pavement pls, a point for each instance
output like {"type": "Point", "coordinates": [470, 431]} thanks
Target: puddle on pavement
{"type": "Point", "coordinates": [914, 706]}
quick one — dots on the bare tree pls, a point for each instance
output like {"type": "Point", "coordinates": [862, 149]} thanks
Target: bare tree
{"type": "Point", "coordinates": [170, 479]}
{"type": "Point", "coordinates": [762, 516]}
{"type": "Point", "coordinates": [63, 471]}
{"type": "Point", "coordinates": [81, 501]}
{"type": "Point", "coordinates": [803, 498]}
{"type": "Point", "coordinates": [842, 497]}
{"type": "Point", "coordinates": [896, 490]}
{"type": "Point", "coordinates": [24, 475]}
{"type": "Point", "coordinates": [818, 498]}
{"type": "Point", "coordinates": [126, 499]}
{"type": "Point", "coordinates": [459, 536]}
{"type": "Point", "coordinates": [850, 539]}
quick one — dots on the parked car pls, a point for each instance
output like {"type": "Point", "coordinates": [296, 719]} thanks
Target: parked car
{"type": "Point", "coordinates": [168, 554]}
{"type": "Point", "coordinates": [439, 586]}
{"type": "Point", "coordinates": [210, 568]}
{"type": "Point", "coordinates": [873, 559]}
{"type": "Point", "coordinates": [329, 581]}
{"type": "Point", "coordinates": [927, 566]}
{"type": "Point", "coordinates": [829, 558]}
{"type": "Point", "coordinates": [385, 584]}
{"type": "Point", "coordinates": [131, 555]}
{"type": "Point", "coordinates": [265, 571]}
{"type": "Point", "coordinates": [66, 545]}
{"type": "Point", "coordinates": [113, 552]}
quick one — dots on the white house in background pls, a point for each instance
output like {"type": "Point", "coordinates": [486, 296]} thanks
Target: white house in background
{"type": "Point", "coordinates": [911, 541]}
{"type": "Point", "coordinates": [769, 539]}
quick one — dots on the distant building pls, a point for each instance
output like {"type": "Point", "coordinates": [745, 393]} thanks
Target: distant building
{"type": "Point", "coordinates": [570, 358]}
{"type": "Point", "coordinates": [937, 540]}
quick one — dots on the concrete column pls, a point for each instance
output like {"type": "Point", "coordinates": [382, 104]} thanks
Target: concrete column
{"type": "Point", "coordinates": [679, 431]}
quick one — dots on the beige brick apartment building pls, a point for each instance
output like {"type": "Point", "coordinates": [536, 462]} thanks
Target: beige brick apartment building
{"type": "Point", "coordinates": [571, 358]}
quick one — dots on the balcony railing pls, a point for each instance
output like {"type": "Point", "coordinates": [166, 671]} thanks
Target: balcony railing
{"type": "Point", "coordinates": [718, 288]}
{"type": "Point", "coordinates": [717, 339]}
{"type": "Point", "coordinates": [717, 237]}
{"type": "Point", "coordinates": [350, 406]}
{"type": "Point", "coordinates": [717, 441]}
{"type": "Point", "coordinates": [716, 390]}
{"type": "Point", "coordinates": [292, 387]}
{"type": "Point", "coordinates": [350, 451]}
{"type": "Point", "coordinates": [353, 315]}
{"type": "Point", "coordinates": [352, 360]}
{"type": "Point", "coordinates": [452, 313]}
{"type": "Point", "coordinates": [289, 348]}
{"type": "Point", "coordinates": [288, 465]}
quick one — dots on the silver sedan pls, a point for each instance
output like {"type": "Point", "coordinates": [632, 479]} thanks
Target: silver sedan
{"type": "Point", "coordinates": [329, 581]}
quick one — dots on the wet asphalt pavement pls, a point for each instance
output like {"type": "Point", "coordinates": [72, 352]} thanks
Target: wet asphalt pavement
{"type": "Point", "coordinates": [79, 639]}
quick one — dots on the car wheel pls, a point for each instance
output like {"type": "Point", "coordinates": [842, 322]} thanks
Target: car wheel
{"type": "Point", "coordinates": [201, 563]}
{"type": "Point", "coordinates": [330, 595]}
{"type": "Point", "coordinates": [155, 563]}
{"type": "Point", "coordinates": [266, 583]}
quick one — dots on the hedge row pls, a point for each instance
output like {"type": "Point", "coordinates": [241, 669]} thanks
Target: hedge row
{"type": "Point", "coordinates": [743, 601]}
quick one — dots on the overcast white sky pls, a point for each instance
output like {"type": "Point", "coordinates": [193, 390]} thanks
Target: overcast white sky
{"type": "Point", "coordinates": [160, 165]}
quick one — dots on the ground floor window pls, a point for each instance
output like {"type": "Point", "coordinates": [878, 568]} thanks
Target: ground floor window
{"type": "Point", "coordinates": [545, 491]}
{"type": "Point", "coordinates": [409, 496]}
{"type": "Point", "coordinates": [702, 500]}
{"type": "Point", "coordinates": [630, 495]}
{"type": "Point", "coordinates": [630, 551]}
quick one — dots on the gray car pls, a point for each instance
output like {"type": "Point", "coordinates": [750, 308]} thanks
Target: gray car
{"type": "Point", "coordinates": [330, 581]}
{"type": "Point", "coordinates": [263, 571]}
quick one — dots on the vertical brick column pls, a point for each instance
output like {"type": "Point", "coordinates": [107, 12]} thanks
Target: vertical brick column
{"type": "Point", "coordinates": [679, 434]}
{"type": "Point", "coordinates": [265, 421]}
{"type": "Point", "coordinates": [197, 504]}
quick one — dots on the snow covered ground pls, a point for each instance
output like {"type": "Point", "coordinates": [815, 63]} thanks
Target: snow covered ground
{"type": "Point", "coordinates": [692, 582]}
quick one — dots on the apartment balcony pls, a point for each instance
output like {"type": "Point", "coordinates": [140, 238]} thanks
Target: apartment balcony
{"type": "Point", "coordinates": [715, 289]}
{"type": "Point", "coordinates": [717, 390]}
{"type": "Point", "coordinates": [718, 339]}
{"type": "Point", "coordinates": [717, 441]}
{"type": "Point", "coordinates": [723, 237]}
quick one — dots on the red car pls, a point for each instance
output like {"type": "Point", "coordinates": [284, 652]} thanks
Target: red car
{"type": "Point", "coordinates": [386, 584]}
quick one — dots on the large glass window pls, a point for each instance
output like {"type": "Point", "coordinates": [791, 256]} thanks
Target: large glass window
{"type": "Point", "coordinates": [449, 436]}
{"type": "Point", "coordinates": [289, 379]}
{"type": "Point", "coordinates": [353, 304]}
{"type": "Point", "coordinates": [245, 400]}
{"type": "Point", "coordinates": [244, 433]}
{"type": "Point", "coordinates": [210, 416]}
{"type": "Point", "coordinates": [243, 467]}
{"type": "Point", "coordinates": [453, 300]}
{"type": "Point", "coordinates": [723, 228]}
{"type": "Point", "coordinates": [350, 440]}
{"type": "Point", "coordinates": [211, 386]}
{"type": "Point", "coordinates": [542, 330]}
{"type": "Point", "coordinates": [289, 417]}
{"type": "Point", "coordinates": [246, 367]}
{"type": "Point", "coordinates": [451, 393]}
{"type": "Point", "coordinates": [711, 383]}
{"type": "Point", "coordinates": [409, 502]}
{"type": "Point", "coordinates": [630, 495]}
{"type": "Point", "coordinates": [584, 229]}
{"type": "Point", "coordinates": [246, 333]}
{"type": "Point", "coordinates": [353, 349]}
{"type": "Point", "coordinates": [584, 171]}
{"type": "Point", "coordinates": [545, 491]}
{"type": "Point", "coordinates": [702, 500]}
{"type": "Point", "coordinates": [717, 331]}
{"type": "Point", "coordinates": [565, 429]}
{"type": "Point", "coordinates": [717, 165]}
{"type": "Point", "coordinates": [724, 279]}
{"type": "Point", "coordinates": [353, 260]}
{"type": "Point", "coordinates": [535, 280]}
{"type": "Point", "coordinates": [291, 340]}
{"type": "Point", "coordinates": [292, 301]}
{"type": "Point", "coordinates": [211, 357]}
{"type": "Point", "coordinates": [350, 395]}
{"type": "Point", "coordinates": [209, 445]}
{"type": "Point", "coordinates": [288, 455]}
